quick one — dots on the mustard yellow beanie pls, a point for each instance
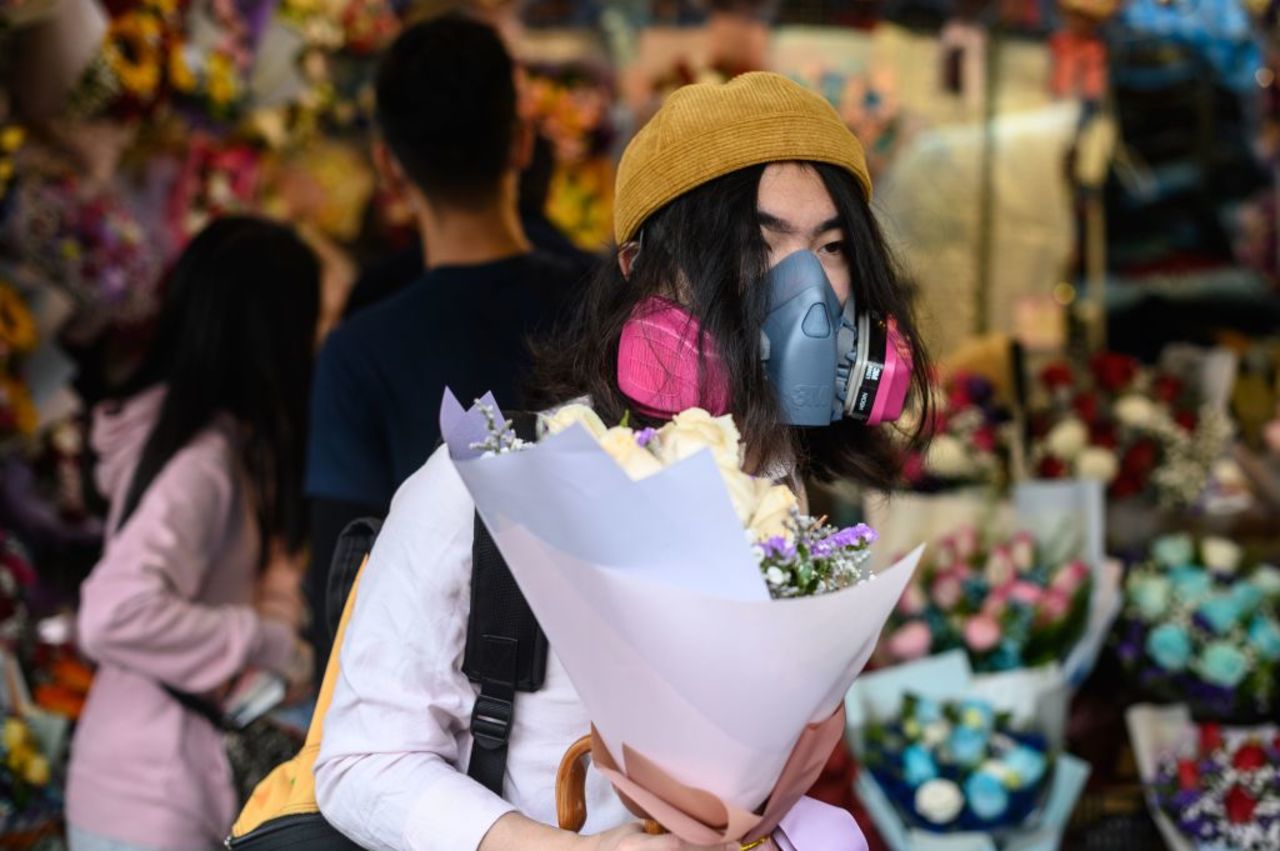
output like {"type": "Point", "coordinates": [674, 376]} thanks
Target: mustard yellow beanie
{"type": "Point", "coordinates": [707, 130]}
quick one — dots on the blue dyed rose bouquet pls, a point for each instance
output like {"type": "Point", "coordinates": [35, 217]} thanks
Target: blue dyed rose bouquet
{"type": "Point", "coordinates": [957, 766]}
{"type": "Point", "coordinates": [961, 760]}
{"type": "Point", "coordinates": [1198, 627]}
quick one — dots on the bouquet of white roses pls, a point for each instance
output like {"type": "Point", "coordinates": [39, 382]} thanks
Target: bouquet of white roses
{"type": "Point", "coordinates": [714, 704]}
{"type": "Point", "coordinates": [798, 554]}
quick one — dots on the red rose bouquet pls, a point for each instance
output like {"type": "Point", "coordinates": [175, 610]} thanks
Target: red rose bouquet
{"type": "Point", "coordinates": [1209, 787]}
{"type": "Point", "coordinates": [1141, 432]}
{"type": "Point", "coordinates": [971, 439]}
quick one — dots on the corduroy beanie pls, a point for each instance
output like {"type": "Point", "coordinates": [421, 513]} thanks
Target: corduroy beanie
{"type": "Point", "coordinates": [708, 130]}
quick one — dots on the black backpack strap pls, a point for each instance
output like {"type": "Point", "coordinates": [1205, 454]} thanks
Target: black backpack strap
{"type": "Point", "coordinates": [355, 542]}
{"type": "Point", "coordinates": [506, 650]}
{"type": "Point", "coordinates": [206, 709]}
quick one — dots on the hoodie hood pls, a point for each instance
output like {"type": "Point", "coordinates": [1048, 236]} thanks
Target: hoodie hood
{"type": "Point", "coordinates": [120, 430]}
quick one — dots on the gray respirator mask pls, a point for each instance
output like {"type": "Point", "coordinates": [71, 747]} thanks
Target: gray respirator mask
{"type": "Point", "coordinates": [828, 361]}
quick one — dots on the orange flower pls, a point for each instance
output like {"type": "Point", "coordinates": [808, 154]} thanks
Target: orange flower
{"type": "Point", "coordinates": [74, 674]}
{"type": "Point", "coordinates": [59, 700]}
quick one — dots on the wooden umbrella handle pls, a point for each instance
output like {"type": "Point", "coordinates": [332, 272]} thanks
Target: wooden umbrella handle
{"type": "Point", "coordinates": [571, 790]}
{"type": "Point", "coordinates": [571, 786]}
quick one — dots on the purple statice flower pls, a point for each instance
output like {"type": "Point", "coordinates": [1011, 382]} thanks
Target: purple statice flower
{"type": "Point", "coordinates": [865, 533]}
{"type": "Point", "coordinates": [854, 536]}
{"type": "Point", "coordinates": [645, 436]}
{"type": "Point", "coordinates": [777, 547]}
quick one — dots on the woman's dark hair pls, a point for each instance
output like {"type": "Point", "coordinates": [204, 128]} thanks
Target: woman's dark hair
{"type": "Point", "coordinates": [236, 335]}
{"type": "Point", "coordinates": [705, 250]}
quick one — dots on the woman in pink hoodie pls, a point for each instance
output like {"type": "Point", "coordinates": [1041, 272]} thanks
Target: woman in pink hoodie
{"type": "Point", "coordinates": [201, 457]}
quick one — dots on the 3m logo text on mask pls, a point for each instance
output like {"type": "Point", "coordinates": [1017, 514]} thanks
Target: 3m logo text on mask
{"type": "Point", "coordinates": [811, 395]}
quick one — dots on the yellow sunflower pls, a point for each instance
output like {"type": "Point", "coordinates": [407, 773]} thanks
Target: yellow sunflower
{"type": "Point", "coordinates": [222, 83]}
{"type": "Point", "coordinates": [180, 75]}
{"type": "Point", "coordinates": [17, 325]}
{"type": "Point", "coordinates": [134, 53]}
{"type": "Point", "coordinates": [11, 138]}
{"type": "Point", "coordinates": [14, 396]}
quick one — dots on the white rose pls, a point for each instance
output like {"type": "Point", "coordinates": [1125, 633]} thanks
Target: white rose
{"type": "Point", "coordinates": [559, 420]}
{"type": "Point", "coordinates": [773, 513]}
{"type": "Point", "coordinates": [1221, 555]}
{"type": "Point", "coordinates": [1001, 772]}
{"type": "Point", "coordinates": [694, 430]}
{"type": "Point", "coordinates": [1000, 566]}
{"type": "Point", "coordinates": [744, 492]}
{"type": "Point", "coordinates": [1267, 578]}
{"type": "Point", "coordinates": [634, 459]}
{"type": "Point", "coordinates": [1227, 473]}
{"type": "Point", "coordinates": [939, 801]}
{"type": "Point", "coordinates": [1068, 438]}
{"type": "Point", "coordinates": [1022, 548]}
{"type": "Point", "coordinates": [776, 577]}
{"type": "Point", "coordinates": [1097, 463]}
{"type": "Point", "coordinates": [948, 458]}
{"type": "Point", "coordinates": [935, 734]}
{"type": "Point", "coordinates": [1136, 411]}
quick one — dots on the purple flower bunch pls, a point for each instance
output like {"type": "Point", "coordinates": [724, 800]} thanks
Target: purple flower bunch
{"type": "Point", "coordinates": [89, 244]}
{"type": "Point", "coordinates": [818, 560]}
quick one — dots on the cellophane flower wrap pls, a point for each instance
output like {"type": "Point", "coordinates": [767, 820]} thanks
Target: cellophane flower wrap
{"type": "Point", "coordinates": [1006, 601]}
{"type": "Point", "coordinates": [1209, 787]}
{"type": "Point", "coordinates": [958, 760]}
{"type": "Point", "coordinates": [714, 704]}
{"type": "Point", "coordinates": [958, 765]}
{"type": "Point", "coordinates": [1203, 627]}
{"type": "Point", "coordinates": [1042, 595]}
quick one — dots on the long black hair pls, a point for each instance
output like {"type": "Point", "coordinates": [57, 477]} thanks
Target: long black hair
{"type": "Point", "coordinates": [705, 250]}
{"type": "Point", "coordinates": [236, 335]}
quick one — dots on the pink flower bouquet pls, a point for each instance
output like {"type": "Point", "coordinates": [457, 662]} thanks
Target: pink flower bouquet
{"type": "Point", "coordinates": [1006, 603]}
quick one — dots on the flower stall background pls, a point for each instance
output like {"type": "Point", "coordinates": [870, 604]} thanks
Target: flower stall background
{"type": "Point", "coordinates": [1081, 196]}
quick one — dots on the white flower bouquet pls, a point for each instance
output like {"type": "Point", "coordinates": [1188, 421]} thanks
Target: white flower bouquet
{"type": "Point", "coordinates": [714, 703]}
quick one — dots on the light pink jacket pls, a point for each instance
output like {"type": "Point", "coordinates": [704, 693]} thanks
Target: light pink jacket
{"type": "Point", "coordinates": [170, 601]}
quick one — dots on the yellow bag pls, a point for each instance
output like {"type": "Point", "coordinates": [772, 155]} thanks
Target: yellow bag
{"type": "Point", "coordinates": [282, 812]}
